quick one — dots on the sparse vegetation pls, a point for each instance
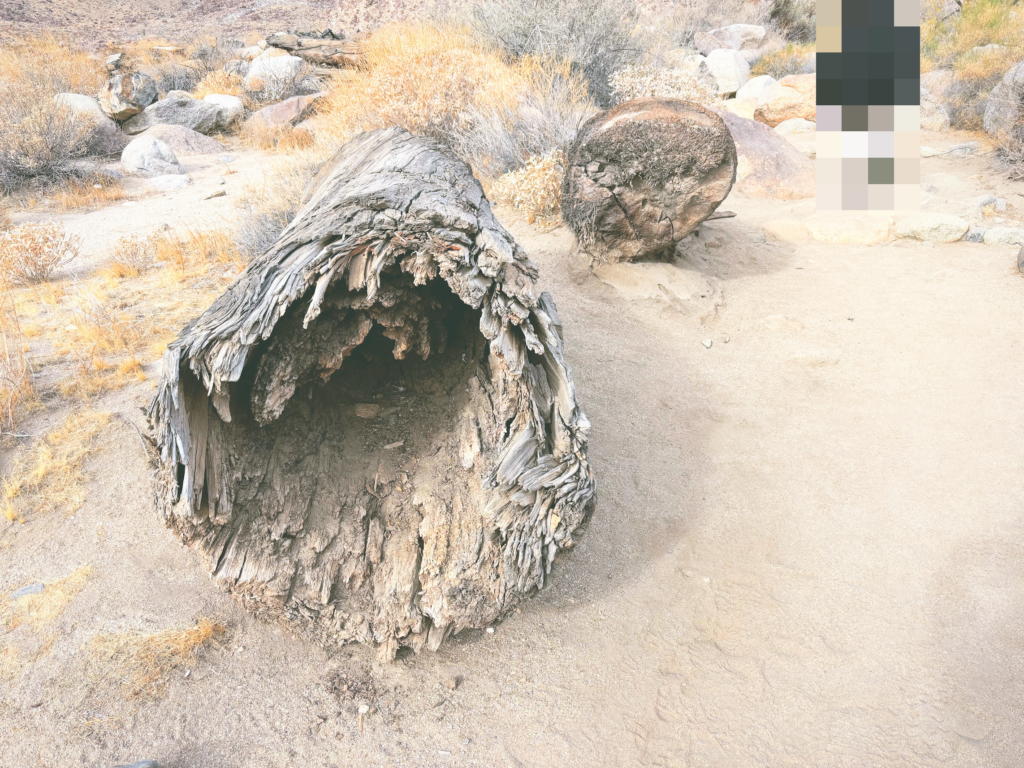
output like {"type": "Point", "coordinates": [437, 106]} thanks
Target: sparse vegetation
{"type": "Point", "coordinates": [266, 209]}
{"type": "Point", "coordinates": [795, 19]}
{"type": "Point", "coordinates": [40, 609]}
{"type": "Point", "coordinates": [32, 252]}
{"type": "Point", "coordinates": [15, 371]}
{"type": "Point", "coordinates": [131, 257]}
{"type": "Point", "coordinates": [789, 60]}
{"type": "Point", "coordinates": [959, 43]}
{"type": "Point", "coordinates": [276, 138]}
{"type": "Point", "coordinates": [597, 37]}
{"type": "Point", "coordinates": [50, 476]}
{"type": "Point", "coordinates": [143, 663]}
{"type": "Point", "coordinates": [88, 192]}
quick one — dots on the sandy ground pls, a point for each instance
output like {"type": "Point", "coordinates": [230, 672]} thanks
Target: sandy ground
{"type": "Point", "coordinates": [806, 550]}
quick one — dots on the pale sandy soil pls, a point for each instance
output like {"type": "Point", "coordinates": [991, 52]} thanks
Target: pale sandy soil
{"type": "Point", "coordinates": [806, 549]}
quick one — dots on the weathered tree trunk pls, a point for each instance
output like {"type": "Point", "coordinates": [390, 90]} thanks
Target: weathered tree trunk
{"type": "Point", "coordinates": [642, 176]}
{"type": "Point", "coordinates": [336, 481]}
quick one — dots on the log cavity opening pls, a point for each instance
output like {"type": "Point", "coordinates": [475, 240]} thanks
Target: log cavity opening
{"type": "Point", "coordinates": [330, 437]}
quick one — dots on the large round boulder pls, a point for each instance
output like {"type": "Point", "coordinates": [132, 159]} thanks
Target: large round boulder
{"type": "Point", "coordinates": [269, 72]}
{"type": "Point", "coordinates": [642, 176]}
{"type": "Point", "coordinates": [1004, 111]}
{"type": "Point", "coordinates": [127, 94]}
{"type": "Point", "coordinates": [179, 108]}
{"type": "Point", "coordinates": [184, 141]}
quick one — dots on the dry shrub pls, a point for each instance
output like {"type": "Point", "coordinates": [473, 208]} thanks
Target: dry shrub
{"type": "Point", "coordinates": [779, 63]}
{"type": "Point", "coordinates": [535, 190]}
{"type": "Point", "coordinates": [795, 19]}
{"type": "Point", "coordinates": [50, 475]}
{"type": "Point", "coordinates": [143, 663]}
{"type": "Point", "coordinates": [597, 37]}
{"type": "Point", "coordinates": [32, 252]}
{"type": "Point", "coordinates": [88, 192]}
{"type": "Point", "coordinates": [177, 67]}
{"type": "Point", "coordinates": [634, 82]}
{"type": "Point", "coordinates": [39, 139]}
{"type": "Point", "coordinates": [444, 84]}
{"type": "Point", "coordinates": [103, 325]}
{"type": "Point", "coordinates": [40, 609]}
{"type": "Point", "coordinates": [96, 376]}
{"type": "Point", "coordinates": [5, 220]}
{"type": "Point", "coordinates": [220, 82]}
{"type": "Point", "coordinates": [131, 257]}
{"type": "Point", "coordinates": [275, 138]}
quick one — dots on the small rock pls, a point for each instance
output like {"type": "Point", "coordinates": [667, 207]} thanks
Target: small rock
{"type": "Point", "coordinates": [963, 150]}
{"type": "Point", "coordinates": [287, 112]}
{"type": "Point", "coordinates": [222, 180]}
{"type": "Point", "coordinates": [929, 152]}
{"type": "Point", "coordinates": [490, 630]}
{"type": "Point", "coordinates": [364, 708]}
{"type": "Point", "coordinates": [452, 683]}
{"type": "Point", "coordinates": [1005, 236]}
{"type": "Point", "coordinates": [30, 589]}
{"type": "Point", "coordinates": [184, 141]}
{"type": "Point", "coordinates": [219, 193]}
{"type": "Point", "coordinates": [848, 228]}
{"type": "Point", "coordinates": [707, 343]}
{"type": "Point", "coordinates": [367, 410]}
{"type": "Point", "coordinates": [975, 235]}
{"type": "Point", "coordinates": [113, 62]}
{"type": "Point", "coordinates": [932, 227]}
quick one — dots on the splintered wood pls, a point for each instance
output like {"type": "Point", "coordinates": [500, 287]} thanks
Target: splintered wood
{"type": "Point", "coordinates": [338, 482]}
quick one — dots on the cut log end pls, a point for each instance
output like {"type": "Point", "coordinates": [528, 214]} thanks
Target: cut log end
{"type": "Point", "coordinates": [642, 176]}
{"type": "Point", "coordinates": [373, 434]}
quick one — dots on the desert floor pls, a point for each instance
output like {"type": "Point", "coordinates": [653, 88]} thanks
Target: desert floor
{"type": "Point", "coordinates": [807, 547]}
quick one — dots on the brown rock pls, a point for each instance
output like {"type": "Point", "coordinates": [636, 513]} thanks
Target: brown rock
{"type": "Point", "coordinates": [642, 176]}
{"type": "Point", "coordinates": [127, 94]}
{"type": "Point", "coordinates": [768, 166]}
{"type": "Point", "coordinates": [792, 96]}
{"type": "Point", "coordinates": [287, 112]}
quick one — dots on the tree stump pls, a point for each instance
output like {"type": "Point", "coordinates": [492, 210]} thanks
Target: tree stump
{"type": "Point", "coordinates": [642, 176]}
{"type": "Point", "coordinates": [338, 482]}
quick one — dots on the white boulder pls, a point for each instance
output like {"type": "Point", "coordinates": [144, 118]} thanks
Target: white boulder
{"type": "Point", "coordinates": [729, 69]}
{"type": "Point", "coordinates": [272, 71]}
{"type": "Point", "coordinates": [1004, 236]}
{"type": "Point", "coordinates": [932, 227]}
{"type": "Point", "coordinates": [148, 156]}
{"type": "Point", "coordinates": [230, 109]}
{"type": "Point", "coordinates": [106, 137]}
{"type": "Point", "coordinates": [795, 125]}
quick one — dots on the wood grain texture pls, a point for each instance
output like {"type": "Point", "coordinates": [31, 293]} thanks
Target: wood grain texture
{"type": "Point", "coordinates": [373, 433]}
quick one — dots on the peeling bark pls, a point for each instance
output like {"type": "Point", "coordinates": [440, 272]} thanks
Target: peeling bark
{"type": "Point", "coordinates": [373, 434]}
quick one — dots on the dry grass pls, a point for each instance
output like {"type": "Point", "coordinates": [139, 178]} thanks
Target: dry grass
{"type": "Point", "coordinates": [284, 139]}
{"type": "Point", "coordinates": [39, 610]}
{"type": "Point", "coordinates": [143, 663]}
{"type": "Point", "coordinates": [534, 190]}
{"type": "Point", "coordinates": [634, 82]}
{"type": "Point", "coordinates": [32, 252]}
{"type": "Point", "coordinates": [50, 475]}
{"type": "Point", "coordinates": [220, 82]}
{"type": "Point", "coordinates": [75, 194]}
{"type": "Point", "coordinates": [951, 44]}
{"type": "Point", "coordinates": [15, 370]}
{"type": "Point", "coordinates": [422, 78]}
{"type": "Point", "coordinates": [266, 208]}
{"type": "Point", "coordinates": [192, 252]}
{"type": "Point", "coordinates": [789, 60]}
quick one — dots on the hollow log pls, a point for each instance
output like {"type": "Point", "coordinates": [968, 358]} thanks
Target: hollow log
{"type": "Point", "coordinates": [373, 434]}
{"type": "Point", "coordinates": [643, 175]}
